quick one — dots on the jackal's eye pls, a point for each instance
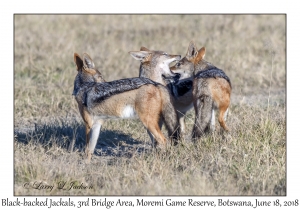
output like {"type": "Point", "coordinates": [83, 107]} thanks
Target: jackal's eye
{"type": "Point", "coordinates": [177, 64]}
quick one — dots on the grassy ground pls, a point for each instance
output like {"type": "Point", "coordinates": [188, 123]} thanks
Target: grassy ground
{"type": "Point", "coordinates": [49, 134]}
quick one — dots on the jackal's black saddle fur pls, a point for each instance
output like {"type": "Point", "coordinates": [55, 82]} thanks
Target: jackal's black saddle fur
{"type": "Point", "coordinates": [213, 73]}
{"type": "Point", "coordinates": [97, 92]}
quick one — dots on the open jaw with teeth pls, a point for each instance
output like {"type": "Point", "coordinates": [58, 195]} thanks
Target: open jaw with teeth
{"type": "Point", "coordinates": [172, 79]}
{"type": "Point", "coordinates": [176, 86]}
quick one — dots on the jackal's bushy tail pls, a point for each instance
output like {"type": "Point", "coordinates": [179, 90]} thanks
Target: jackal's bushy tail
{"type": "Point", "coordinates": [203, 114]}
{"type": "Point", "coordinates": [169, 115]}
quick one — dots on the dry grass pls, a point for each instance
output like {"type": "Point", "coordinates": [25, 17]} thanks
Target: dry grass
{"type": "Point", "coordinates": [49, 136]}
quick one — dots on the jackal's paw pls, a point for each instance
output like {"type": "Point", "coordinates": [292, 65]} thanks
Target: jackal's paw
{"type": "Point", "coordinates": [88, 158]}
{"type": "Point", "coordinates": [160, 147]}
{"type": "Point", "coordinates": [226, 136]}
{"type": "Point", "coordinates": [186, 137]}
{"type": "Point", "coordinates": [174, 142]}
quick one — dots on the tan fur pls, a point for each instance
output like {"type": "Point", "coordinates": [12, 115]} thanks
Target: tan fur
{"type": "Point", "coordinates": [148, 102]}
{"type": "Point", "coordinates": [208, 93]}
{"type": "Point", "coordinates": [151, 61]}
{"type": "Point", "coordinates": [218, 89]}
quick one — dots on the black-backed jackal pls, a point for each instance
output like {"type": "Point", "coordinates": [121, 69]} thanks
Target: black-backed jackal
{"type": "Point", "coordinates": [126, 98]}
{"type": "Point", "coordinates": [155, 65]}
{"type": "Point", "coordinates": [211, 90]}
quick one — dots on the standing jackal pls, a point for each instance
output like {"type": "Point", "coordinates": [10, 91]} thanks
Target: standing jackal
{"type": "Point", "coordinates": [154, 64]}
{"type": "Point", "coordinates": [211, 90]}
{"type": "Point", "coordinates": [125, 98]}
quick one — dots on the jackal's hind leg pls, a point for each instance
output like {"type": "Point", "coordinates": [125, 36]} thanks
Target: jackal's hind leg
{"type": "Point", "coordinates": [160, 140]}
{"type": "Point", "coordinates": [226, 113]}
{"type": "Point", "coordinates": [222, 117]}
{"type": "Point", "coordinates": [153, 142]}
{"type": "Point", "coordinates": [212, 121]}
{"type": "Point", "coordinates": [203, 116]}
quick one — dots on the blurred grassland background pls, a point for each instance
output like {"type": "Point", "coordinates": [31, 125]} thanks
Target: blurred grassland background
{"type": "Point", "coordinates": [49, 135]}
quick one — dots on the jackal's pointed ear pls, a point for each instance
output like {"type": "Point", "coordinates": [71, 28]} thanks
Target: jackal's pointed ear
{"type": "Point", "coordinates": [144, 49]}
{"type": "Point", "coordinates": [201, 53]}
{"type": "Point", "coordinates": [87, 61]}
{"type": "Point", "coordinates": [78, 61]}
{"type": "Point", "coordinates": [139, 55]}
{"type": "Point", "coordinates": [192, 51]}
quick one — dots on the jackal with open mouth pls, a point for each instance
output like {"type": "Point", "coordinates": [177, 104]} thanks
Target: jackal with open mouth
{"type": "Point", "coordinates": [141, 98]}
{"type": "Point", "coordinates": [155, 65]}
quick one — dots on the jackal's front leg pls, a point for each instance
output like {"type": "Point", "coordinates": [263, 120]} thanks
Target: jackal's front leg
{"type": "Point", "coordinates": [182, 122]}
{"type": "Point", "coordinates": [93, 138]}
{"type": "Point", "coordinates": [87, 137]}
